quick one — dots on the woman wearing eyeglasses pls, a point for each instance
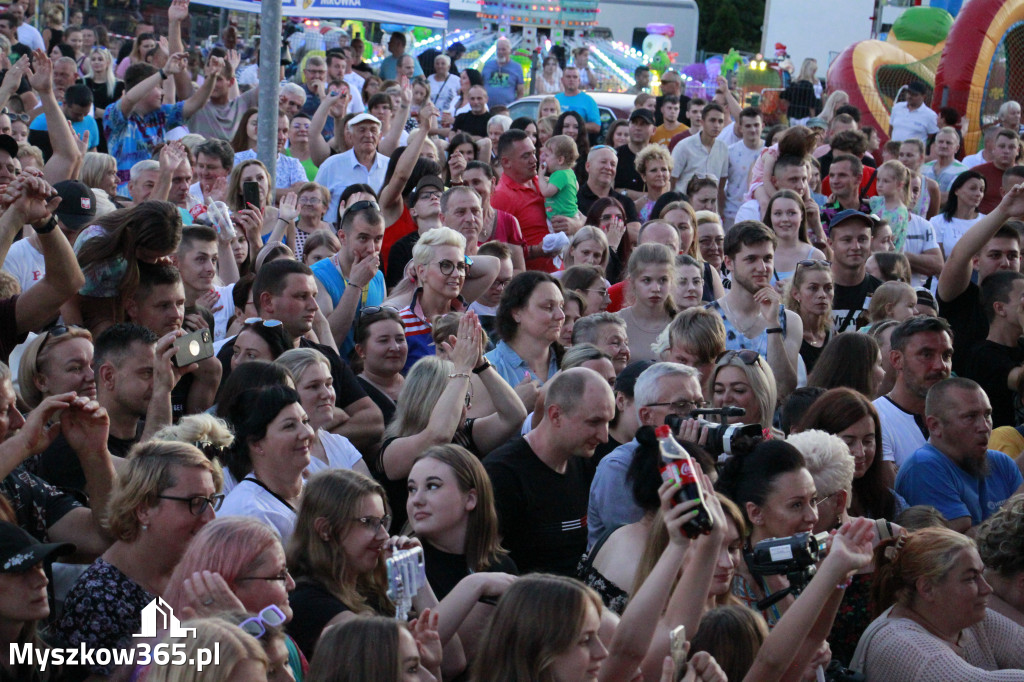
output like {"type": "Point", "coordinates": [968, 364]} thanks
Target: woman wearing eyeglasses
{"type": "Point", "coordinates": [311, 372]}
{"type": "Point", "coordinates": [432, 409]}
{"type": "Point", "coordinates": [312, 202]}
{"type": "Point", "coordinates": [447, 281]}
{"type": "Point", "coordinates": [167, 493]}
{"type": "Point", "coordinates": [236, 564]}
{"type": "Point", "coordinates": [273, 440]}
{"type": "Point", "coordinates": [787, 217]}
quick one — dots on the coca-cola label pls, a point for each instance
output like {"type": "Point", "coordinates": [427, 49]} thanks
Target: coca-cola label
{"type": "Point", "coordinates": [680, 471]}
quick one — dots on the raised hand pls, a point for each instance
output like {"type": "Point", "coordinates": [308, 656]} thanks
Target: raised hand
{"type": "Point", "coordinates": [214, 65]}
{"type": "Point", "coordinates": [466, 354]}
{"type": "Point", "coordinates": [207, 593]}
{"type": "Point", "coordinates": [210, 300]}
{"type": "Point", "coordinates": [768, 299]}
{"type": "Point", "coordinates": [34, 198]}
{"type": "Point", "coordinates": [41, 427]}
{"type": "Point", "coordinates": [81, 141]}
{"type": "Point", "coordinates": [288, 210]}
{"type": "Point", "coordinates": [364, 269]}
{"type": "Point", "coordinates": [86, 424]}
{"type": "Point", "coordinates": [178, 11]}
{"type": "Point", "coordinates": [234, 59]}
{"type": "Point", "coordinates": [41, 74]}
{"type": "Point", "coordinates": [428, 640]}
{"type": "Point", "coordinates": [176, 63]}
{"type": "Point", "coordinates": [852, 544]}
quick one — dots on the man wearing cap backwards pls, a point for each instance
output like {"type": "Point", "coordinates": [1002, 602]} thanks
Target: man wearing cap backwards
{"type": "Point", "coordinates": [361, 164]}
{"type": "Point", "coordinates": [913, 118]}
{"type": "Point", "coordinates": [77, 208]}
{"type": "Point", "coordinates": [627, 177]}
{"type": "Point", "coordinates": [850, 240]}
{"type": "Point", "coordinates": [671, 84]}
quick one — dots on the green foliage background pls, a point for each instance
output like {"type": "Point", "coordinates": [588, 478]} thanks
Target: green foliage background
{"type": "Point", "coordinates": [730, 23]}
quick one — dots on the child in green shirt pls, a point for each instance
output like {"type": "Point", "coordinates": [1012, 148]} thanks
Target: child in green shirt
{"type": "Point", "coordinates": [558, 157]}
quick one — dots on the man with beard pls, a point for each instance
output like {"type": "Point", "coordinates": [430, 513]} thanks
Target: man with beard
{"type": "Point", "coordinates": [751, 311]}
{"type": "Point", "coordinates": [921, 353]}
{"type": "Point", "coordinates": [955, 472]}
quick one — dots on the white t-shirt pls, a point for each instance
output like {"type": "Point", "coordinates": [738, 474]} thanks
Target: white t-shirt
{"type": "Point", "coordinates": [748, 210]}
{"type": "Point", "coordinates": [249, 498]}
{"type": "Point", "coordinates": [741, 159]}
{"type": "Point", "coordinates": [948, 232]}
{"type": "Point", "coordinates": [901, 436]}
{"type": "Point", "coordinates": [26, 263]}
{"type": "Point", "coordinates": [341, 454]}
{"type": "Point", "coordinates": [920, 238]}
{"type": "Point", "coordinates": [910, 123]}
{"type": "Point", "coordinates": [974, 160]}
{"type": "Point", "coordinates": [222, 318]}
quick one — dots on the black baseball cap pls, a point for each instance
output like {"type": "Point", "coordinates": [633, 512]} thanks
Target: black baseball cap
{"type": "Point", "coordinates": [626, 381]}
{"type": "Point", "coordinates": [646, 114]}
{"type": "Point", "coordinates": [426, 181]}
{"type": "Point", "coordinates": [917, 87]}
{"type": "Point", "coordinates": [19, 551]}
{"type": "Point", "coordinates": [77, 204]}
{"type": "Point", "coordinates": [851, 214]}
{"type": "Point", "coordinates": [9, 145]}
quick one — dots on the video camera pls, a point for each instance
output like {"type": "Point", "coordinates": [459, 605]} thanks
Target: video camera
{"type": "Point", "coordinates": [723, 439]}
{"type": "Point", "coordinates": [795, 556]}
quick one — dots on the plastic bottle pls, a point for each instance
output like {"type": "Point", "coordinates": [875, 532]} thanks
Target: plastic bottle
{"type": "Point", "coordinates": [678, 466]}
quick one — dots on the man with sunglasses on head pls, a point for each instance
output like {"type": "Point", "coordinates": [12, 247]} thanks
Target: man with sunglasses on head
{"type": "Point", "coordinates": [357, 264]}
{"type": "Point", "coordinates": [752, 311]}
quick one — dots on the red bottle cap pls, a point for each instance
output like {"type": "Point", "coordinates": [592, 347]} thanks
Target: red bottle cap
{"type": "Point", "coordinates": [663, 431]}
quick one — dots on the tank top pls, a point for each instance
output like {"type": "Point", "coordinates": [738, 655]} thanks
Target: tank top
{"type": "Point", "coordinates": [735, 340]}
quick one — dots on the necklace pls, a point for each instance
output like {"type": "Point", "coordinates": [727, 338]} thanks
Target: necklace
{"type": "Point", "coordinates": [731, 314]}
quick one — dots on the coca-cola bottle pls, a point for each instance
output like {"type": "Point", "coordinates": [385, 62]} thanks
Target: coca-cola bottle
{"type": "Point", "coordinates": [678, 466]}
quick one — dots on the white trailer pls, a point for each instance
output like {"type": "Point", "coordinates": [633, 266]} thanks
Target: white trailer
{"type": "Point", "coordinates": [819, 29]}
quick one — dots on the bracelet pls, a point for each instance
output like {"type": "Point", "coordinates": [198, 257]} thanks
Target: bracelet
{"type": "Point", "coordinates": [47, 227]}
{"type": "Point", "coordinates": [484, 366]}
{"type": "Point", "coordinates": [163, 76]}
{"type": "Point", "coordinates": [773, 330]}
{"type": "Point", "coordinates": [454, 375]}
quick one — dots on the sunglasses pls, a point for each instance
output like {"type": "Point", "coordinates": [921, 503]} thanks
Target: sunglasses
{"type": "Point", "coordinates": [746, 356]}
{"type": "Point", "coordinates": [810, 262]}
{"type": "Point", "coordinates": [257, 625]}
{"type": "Point", "coordinates": [376, 310]}
{"type": "Point", "coordinates": [364, 205]}
{"type": "Point", "coordinates": [263, 323]}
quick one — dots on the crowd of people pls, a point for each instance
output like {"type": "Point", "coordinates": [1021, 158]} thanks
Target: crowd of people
{"type": "Point", "coordinates": [437, 332]}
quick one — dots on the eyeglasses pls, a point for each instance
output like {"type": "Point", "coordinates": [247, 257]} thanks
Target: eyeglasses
{"type": "Point", "coordinates": [262, 322]}
{"type": "Point", "coordinates": [257, 625]}
{"type": "Point", "coordinates": [746, 356]}
{"type": "Point", "coordinates": [679, 406]}
{"type": "Point", "coordinates": [601, 292]}
{"type": "Point", "coordinates": [311, 201]}
{"type": "Point", "coordinates": [810, 262]}
{"type": "Point", "coordinates": [447, 267]}
{"type": "Point", "coordinates": [282, 577]}
{"type": "Point", "coordinates": [817, 501]}
{"type": "Point", "coordinates": [500, 283]}
{"type": "Point", "coordinates": [372, 523]}
{"type": "Point", "coordinates": [197, 504]}
{"type": "Point", "coordinates": [428, 195]}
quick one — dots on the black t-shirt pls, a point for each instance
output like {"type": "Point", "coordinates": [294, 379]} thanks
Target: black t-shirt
{"type": "Point", "coordinates": [384, 402]}
{"type": "Point", "coordinates": [988, 363]}
{"type": "Point", "coordinates": [967, 319]}
{"type": "Point", "coordinates": [626, 174]}
{"type": "Point", "coordinates": [474, 124]}
{"type": "Point", "coordinates": [684, 104]}
{"type": "Point", "coordinates": [444, 570]}
{"type": "Point", "coordinates": [313, 608]}
{"type": "Point", "coordinates": [100, 99]}
{"type": "Point", "coordinates": [37, 504]}
{"type": "Point", "coordinates": [586, 198]}
{"type": "Point", "coordinates": [850, 302]}
{"type": "Point", "coordinates": [398, 257]}
{"type": "Point", "coordinates": [602, 450]}
{"type": "Point", "coordinates": [810, 353]}
{"type": "Point", "coordinates": [59, 465]}
{"type": "Point", "coordinates": [542, 513]}
{"type": "Point", "coordinates": [346, 387]}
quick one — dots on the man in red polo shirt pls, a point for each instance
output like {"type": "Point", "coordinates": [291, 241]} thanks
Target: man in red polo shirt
{"type": "Point", "coordinates": [1002, 159]}
{"type": "Point", "coordinates": [518, 193]}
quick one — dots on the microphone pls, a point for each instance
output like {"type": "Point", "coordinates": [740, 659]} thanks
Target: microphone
{"type": "Point", "coordinates": [728, 411]}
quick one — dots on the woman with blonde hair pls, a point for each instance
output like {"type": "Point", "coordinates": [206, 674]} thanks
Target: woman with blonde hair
{"type": "Point", "coordinates": [809, 294]}
{"type": "Point", "coordinates": [549, 106]}
{"type": "Point", "coordinates": [654, 164]}
{"type": "Point", "coordinates": [933, 623]}
{"type": "Point", "coordinates": [835, 100]}
{"type": "Point", "coordinates": [239, 655]}
{"type": "Point", "coordinates": [589, 246]}
{"type": "Point", "coordinates": [99, 172]}
{"type": "Point", "coordinates": [270, 219]}
{"type": "Point", "coordinates": [166, 494]}
{"type": "Point", "coordinates": [801, 96]}
{"type": "Point", "coordinates": [1001, 546]}
{"type": "Point", "coordinates": [688, 223]}
{"type": "Point", "coordinates": [432, 409]}
{"type": "Point", "coordinates": [891, 301]}
{"type": "Point", "coordinates": [311, 372]}
{"type": "Point", "coordinates": [743, 378]}
{"type": "Point", "coordinates": [57, 361]}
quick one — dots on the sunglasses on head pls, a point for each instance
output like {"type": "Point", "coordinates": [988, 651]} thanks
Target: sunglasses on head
{"type": "Point", "coordinates": [260, 321]}
{"type": "Point", "coordinates": [376, 310]}
{"type": "Point", "coordinates": [746, 356]}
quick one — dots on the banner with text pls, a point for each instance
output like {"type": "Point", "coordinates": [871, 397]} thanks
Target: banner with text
{"type": "Point", "coordinates": [430, 13]}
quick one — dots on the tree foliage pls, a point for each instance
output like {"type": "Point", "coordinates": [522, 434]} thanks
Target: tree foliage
{"type": "Point", "coordinates": [726, 24]}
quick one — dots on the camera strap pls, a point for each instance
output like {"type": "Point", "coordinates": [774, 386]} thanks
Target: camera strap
{"type": "Point", "coordinates": [748, 558]}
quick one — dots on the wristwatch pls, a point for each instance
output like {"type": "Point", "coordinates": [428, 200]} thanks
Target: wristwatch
{"type": "Point", "coordinates": [47, 227]}
{"type": "Point", "coordinates": [163, 75]}
{"type": "Point", "coordinates": [482, 367]}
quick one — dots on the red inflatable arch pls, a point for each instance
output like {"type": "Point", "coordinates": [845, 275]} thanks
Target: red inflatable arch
{"type": "Point", "coordinates": [982, 63]}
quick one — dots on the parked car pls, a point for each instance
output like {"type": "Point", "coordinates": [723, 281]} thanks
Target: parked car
{"type": "Point", "coordinates": [611, 105]}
